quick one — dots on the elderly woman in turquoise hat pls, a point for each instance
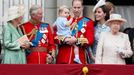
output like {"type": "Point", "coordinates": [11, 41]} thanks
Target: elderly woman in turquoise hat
{"type": "Point", "coordinates": [114, 46]}
{"type": "Point", "coordinates": [14, 50]}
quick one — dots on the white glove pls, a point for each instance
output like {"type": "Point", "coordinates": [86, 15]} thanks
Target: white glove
{"type": "Point", "coordinates": [120, 51]}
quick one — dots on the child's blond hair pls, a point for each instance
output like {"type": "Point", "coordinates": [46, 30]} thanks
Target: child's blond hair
{"type": "Point", "coordinates": [61, 8]}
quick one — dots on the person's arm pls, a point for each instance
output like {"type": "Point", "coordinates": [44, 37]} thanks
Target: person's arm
{"type": "Point", "coordinates": [127, 52]}
{"type": "Point", "coordinates": [99, 51]}
{"type": "Point", "coordinates": [51, 47]}
{"type": "Point", "coordinates": [8, 43]}
{"type": "Point", "coordinates": [67, 23]}
{"type": "Point", "coordinates": [91, 55]}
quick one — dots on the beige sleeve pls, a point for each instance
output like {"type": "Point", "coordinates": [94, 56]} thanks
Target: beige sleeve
{"type": "Point", "coordinates": [127, 52]}
{"type": "Point", "coordinates": [99, 51]}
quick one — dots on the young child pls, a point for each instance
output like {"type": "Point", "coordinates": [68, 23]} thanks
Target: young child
{"type": "Point", "coordinates": [63, 29]}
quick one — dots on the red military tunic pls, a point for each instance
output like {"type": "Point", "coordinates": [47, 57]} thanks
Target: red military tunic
{"type": "Point", "coordinates": [66, 52]}
{"type": "Point", "coordinates": [43, 45]}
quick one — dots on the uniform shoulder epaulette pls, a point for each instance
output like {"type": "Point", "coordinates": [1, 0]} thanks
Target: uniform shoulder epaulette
{"type": "Point", "coordinates": [45, 24]}
{"type": "Point", "coordinates": [88, 18]}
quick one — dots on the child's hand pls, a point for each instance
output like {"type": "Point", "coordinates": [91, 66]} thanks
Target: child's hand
{"type": "Point", "coordinates": [71, 13]}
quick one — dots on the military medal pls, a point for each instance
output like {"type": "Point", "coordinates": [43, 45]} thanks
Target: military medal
{"type": "Point", "coordinates": [84, 24]}
{"type": "Point", "coordinates": [43, 41]}
{"type": "Point", "coordinates": [82, 31]}
{"type": "Point", "coordinates": [44, 36]}
{"type": "Point", "coordinates": [45, 31]}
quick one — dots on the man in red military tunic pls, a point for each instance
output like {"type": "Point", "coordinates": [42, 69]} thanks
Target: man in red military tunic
{"type": "Point", "coordinates": [83, 31]}
{"type": "Point", "coordinates": [40, 36]}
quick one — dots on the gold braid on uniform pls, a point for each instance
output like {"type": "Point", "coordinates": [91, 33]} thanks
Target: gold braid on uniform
{"type": "Point", "coordinates": [30, 33]}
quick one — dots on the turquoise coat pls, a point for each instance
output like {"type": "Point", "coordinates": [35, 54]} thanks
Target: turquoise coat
{"type": "Point", "coordinates": [13, 54]}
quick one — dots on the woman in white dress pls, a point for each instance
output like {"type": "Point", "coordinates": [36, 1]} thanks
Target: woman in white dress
{"type": "Point", "coordinates": [113, 46]}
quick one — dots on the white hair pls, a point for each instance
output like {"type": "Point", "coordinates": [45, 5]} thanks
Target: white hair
{"type": "Point", "coordinates": [34, 9]}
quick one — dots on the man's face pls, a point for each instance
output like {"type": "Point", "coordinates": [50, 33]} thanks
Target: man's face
{"type": "Point", "coordinates": [77, 8]}
{"type": "Point", "coordinates": [38, 16]}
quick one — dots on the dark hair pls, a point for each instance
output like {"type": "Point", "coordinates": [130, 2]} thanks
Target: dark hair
{"type": "Point", "coordinates": [105, 10]}
{"type": "Point", "coordinates": [109, 5]}
{"type": "Point", "coordinates": [77, 0]}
